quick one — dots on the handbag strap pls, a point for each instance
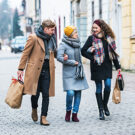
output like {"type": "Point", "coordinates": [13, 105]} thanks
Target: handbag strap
{"type": "Point", "coordinates": [119, 74]}
{"type": "Point", "coordinates": [121, 77]}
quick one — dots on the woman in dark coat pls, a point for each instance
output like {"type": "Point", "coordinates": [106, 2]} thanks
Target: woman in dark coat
{"type": "Point", "coordinates": [100, 49]}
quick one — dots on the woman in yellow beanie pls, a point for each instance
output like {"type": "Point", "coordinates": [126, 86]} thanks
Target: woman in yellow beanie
{"type": "Point", "coordinates": [74, 80]}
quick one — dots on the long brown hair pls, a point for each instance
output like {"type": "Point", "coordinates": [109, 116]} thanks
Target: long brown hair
{"type": "Point", "coordinates": [107, 30]}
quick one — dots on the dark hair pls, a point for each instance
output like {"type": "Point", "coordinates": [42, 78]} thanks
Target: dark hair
{"type": "Point", "coordinates": [107, 30]}
{"type": "Point", "coordinates": [48, 23]}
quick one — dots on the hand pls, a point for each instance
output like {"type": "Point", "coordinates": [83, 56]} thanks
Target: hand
{"type": "Point", "coordinates": [119, 70]}
{"type": "Point", "coordinates": [65, 57]}
{"type": "Point", "coordinates": [92, 49]}
{"type": "Point", "coordinates": [20, 75]}
{"type": "Point", "coordinates": [76, 63]}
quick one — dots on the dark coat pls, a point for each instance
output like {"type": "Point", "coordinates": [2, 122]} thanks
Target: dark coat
{"type": "Point", "coordinates": [105, 70]}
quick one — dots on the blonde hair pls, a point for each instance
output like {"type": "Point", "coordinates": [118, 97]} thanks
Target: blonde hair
{"type": "Point", "coordinates": [48, 23]}
{"type": "Point", "coordinates": [75, 30]}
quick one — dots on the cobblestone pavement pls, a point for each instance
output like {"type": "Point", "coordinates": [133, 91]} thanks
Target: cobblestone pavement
{"type": "Point", "coordinates": [19, 122]}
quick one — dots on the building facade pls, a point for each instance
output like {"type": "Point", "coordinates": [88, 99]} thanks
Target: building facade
{"type": "Point", "coordinates": [78, 17]}
{"type": "Point", "coordinates": [58, 12]}
{"type": "Point", "coordinates": [128, 34]}
{"type": "Point", "coordinates": [31, 14]}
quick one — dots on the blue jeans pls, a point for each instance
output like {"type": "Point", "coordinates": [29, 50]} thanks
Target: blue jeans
{"type": "Point", "coordinates": [107, 83]}
{"type": "Point", "coordinates": [69, 99]}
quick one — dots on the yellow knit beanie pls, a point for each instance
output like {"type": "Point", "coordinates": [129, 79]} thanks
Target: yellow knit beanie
{"type": "Point", "coordinates": [69, 30]}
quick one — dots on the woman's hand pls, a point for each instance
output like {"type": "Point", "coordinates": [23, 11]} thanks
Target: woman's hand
{"type": "Point", "coordinates": [92, 49]}
{"type": "Point", "coordinates": [118, 70]}
{"type": "Point", "coordinates": [65, 57]}
{"type": "Point", "coordinates": [76, 63]}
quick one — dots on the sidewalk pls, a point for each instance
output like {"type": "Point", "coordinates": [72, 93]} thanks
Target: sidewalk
{"type": "Point", "coordinates": [19, 122]}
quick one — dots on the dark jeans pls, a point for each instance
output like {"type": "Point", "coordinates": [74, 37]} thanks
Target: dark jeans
{"type": "Point", "coordinates": [107, 83]}
{"type": "Point", "coordinates": [43, 87]}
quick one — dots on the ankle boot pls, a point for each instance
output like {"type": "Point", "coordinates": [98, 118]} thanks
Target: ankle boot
{"type": "Point", "coordinates": [105, 102]}
{"type": "Point", "coordinates": [67, 117]}
{"type": "Point", "coordinates": [100, 106]}
{"type": "Point", "coordinates": [34, 115]}
{"type": "Point", "coordinates": [74, 117]}
{"type": "Point", "coordinates": [43, 121]}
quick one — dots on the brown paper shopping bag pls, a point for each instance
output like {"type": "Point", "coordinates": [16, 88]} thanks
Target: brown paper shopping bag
{"type": "Point", "coordinates": [116, 97]}
{"type": "Point", "coordinates": [14, 94]}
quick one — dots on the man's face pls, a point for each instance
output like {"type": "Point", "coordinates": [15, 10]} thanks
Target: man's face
{"type": "Point", "coordinates": [49, 31]}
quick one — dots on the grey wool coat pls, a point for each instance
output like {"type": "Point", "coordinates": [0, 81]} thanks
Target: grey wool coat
{"type": "Point", "coordinates": [69, 69]}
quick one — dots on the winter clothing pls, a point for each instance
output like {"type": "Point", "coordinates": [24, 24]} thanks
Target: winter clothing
{"type": "Point", "coordinates": [43, 86]}
{"type": "Point", "coordinates": [100, 106]}
{"type": "Point", "coordinates": [107, 84]}
{"type": "Point", "coordinates": [99, 53]}
{"type": "Point", "coordinates": [101, 66]}
{"type": "Point", "coordinates": [43, 121]}
{"type": "Point", "coordinates": [69, 99]}
{"type": "Point", "coordinates": [69, 30]}
{"type": "Point", "coordinates": [73, 75]}
{"type": "Point", "coordinates": [38, 58]}
{"type": "Point", "coordinates": [32, 61]}
{"type": "Point", "coordinates": [103, 71]}
{"type": "Point", "coordinates": [105, 102]}
{"type": "Point", "coordinates": [49, 41]}
{"type": "Point", "coordinates": [75, 43]}
{"type": "Point", "coordinates": [34, 115]}
{"type": "Point", "coordinates": [107, 90]}
{"type": "Point", "coordinates": [69, 68]}
{"type": "Point", "coordinates": [74, 117]}
{"type": "Point", "coordinates": [67, 117]}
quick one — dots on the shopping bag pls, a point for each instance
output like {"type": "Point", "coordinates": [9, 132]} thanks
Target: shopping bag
{"type": "Point", "coordinates": [120, 81]}
{"type": "Point", "coordinates": [14, 94]}
{"type": "Point", "coordinates": [116, 97]}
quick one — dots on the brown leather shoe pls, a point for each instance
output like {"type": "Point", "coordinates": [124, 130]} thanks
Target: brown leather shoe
{"type": "Point", "coordinates": [34, 115]}
{"type": "Point", "coordinates": [43, 121]}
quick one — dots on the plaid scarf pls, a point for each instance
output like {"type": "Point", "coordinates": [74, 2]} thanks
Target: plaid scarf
{"type": "Point", "coordinates": [99, 53]}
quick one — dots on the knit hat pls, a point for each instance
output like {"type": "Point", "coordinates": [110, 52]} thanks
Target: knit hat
{"type": "Point", "coordinates": [97, 22]}
{"type": "Point", "coordinates": [69, 30]}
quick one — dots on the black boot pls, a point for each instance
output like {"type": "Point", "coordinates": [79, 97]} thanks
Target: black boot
{"type": "Point", "coordinates": [105, 102]}
{"type": "Point", "coordinates": [100, 106]}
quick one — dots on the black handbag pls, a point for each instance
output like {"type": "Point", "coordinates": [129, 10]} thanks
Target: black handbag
{"type": "Point", "coordinates": [120, 81]}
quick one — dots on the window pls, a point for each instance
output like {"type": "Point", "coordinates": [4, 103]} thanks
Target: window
{"type": "Point", "coordinates": [93, 11]}
{"type": "Point", "coordinates": [37, 7]}
{"type": "Point", "coordinates": [100, 9]}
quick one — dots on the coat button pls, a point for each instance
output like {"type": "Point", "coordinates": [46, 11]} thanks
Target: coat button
{"type": "Point", "coordinates": [38, 68]}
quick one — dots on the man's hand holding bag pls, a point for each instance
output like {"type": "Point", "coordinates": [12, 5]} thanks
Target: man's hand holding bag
{"type": "Point", "coordinates": [15, 93]}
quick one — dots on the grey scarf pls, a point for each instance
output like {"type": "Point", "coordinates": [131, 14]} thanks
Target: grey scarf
{"type": "Point", "coordinates": [75, 43]}
{"type": "Point", "coordinates": [49, 41]}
